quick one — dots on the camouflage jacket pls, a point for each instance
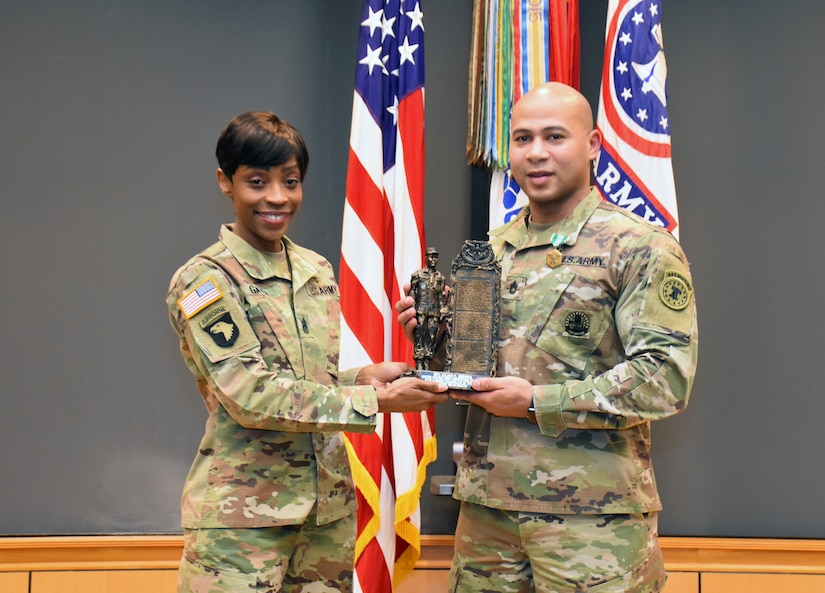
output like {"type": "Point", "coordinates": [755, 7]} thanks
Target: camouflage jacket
{"type": "Point", "coordinates": [264, 352]}
{"type": "Point", "coordinates": [608, 339]}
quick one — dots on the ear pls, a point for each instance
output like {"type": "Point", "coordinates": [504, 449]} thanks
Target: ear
{"type": "Point", "coordinates": [594, 143]}
{"type": "Point", "coordinates": [224, 183]}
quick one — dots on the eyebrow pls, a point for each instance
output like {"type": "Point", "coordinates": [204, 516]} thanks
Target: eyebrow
{"type": "Point", "coordinates": [282, 167]}
{"type": "Point", "coordinates": [517, 131]}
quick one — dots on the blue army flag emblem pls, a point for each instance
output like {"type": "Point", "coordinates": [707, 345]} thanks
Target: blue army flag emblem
{"type": "Point", "coordinates": [634, 168]}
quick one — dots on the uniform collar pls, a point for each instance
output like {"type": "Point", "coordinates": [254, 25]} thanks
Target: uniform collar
{"type": "Point", "coordinates": [259, 267]}
{"type": "Point", "coordinates": [515, 232]}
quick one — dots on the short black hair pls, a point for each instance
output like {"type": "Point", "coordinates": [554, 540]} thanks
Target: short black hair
{"type": "Point", "coordinates": [260, 139]}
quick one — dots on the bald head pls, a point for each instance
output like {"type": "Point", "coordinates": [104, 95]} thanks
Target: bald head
{"type": "Point", "coordinates": [560, 96]}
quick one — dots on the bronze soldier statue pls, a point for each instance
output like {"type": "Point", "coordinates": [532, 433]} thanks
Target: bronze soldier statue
{"type": "Point", "coordinates": [427, 289]}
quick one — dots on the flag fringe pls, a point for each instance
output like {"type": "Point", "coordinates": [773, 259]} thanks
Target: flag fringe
{"type": "Point", "coordinates": [405, 506]}
{"type": "Point", "coordinates": [370, 490]}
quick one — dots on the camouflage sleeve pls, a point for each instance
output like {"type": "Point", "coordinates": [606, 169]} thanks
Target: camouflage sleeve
{"type": "Point", "coordinates": [229, 365]}
{"type": "Point", "coordinates": [655, 318]}
{"type": "Point", "coordinates": [257, 398]}
{"type": "Point", "coordinates": [348, 376]}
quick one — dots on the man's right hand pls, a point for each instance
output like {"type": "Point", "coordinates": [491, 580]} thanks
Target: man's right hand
{"type": "Point", "coordinates": [405, 307]}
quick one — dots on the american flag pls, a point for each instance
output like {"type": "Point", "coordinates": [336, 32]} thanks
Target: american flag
{"type": "Point", "coordinates": [202, 295]}
{"type": "Point", "coordinates": [382, 245]}
{"type": "Point", "coordinates": [634, 168]}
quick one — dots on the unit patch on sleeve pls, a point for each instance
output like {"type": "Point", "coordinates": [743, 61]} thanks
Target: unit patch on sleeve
{"type": "Point", "coordinates": [219, 325]}
{"type": "Point", "coordinates": [675, 290]}
{"type": "Point", "coordinates": [203, 295]}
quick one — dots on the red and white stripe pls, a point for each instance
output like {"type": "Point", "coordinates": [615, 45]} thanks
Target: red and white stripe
{"type": "Point", "coordinates": [382, 245]}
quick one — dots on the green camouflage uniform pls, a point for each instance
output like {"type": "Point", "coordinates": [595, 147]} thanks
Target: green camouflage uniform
{"type": "Point", "coordinates": [260, 334]}
{"type": "Point", "coordinates": [608, 339]}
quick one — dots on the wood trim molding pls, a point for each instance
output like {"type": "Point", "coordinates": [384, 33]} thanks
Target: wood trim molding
{"type": "Point", "coordinates": [684, 554]}
{"type": "Point", "coordinates": [98, 552]}
{"type": "Point", "coordinates": [708, 554]}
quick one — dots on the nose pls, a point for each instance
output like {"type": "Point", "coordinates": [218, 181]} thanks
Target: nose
{"type": "Point", "coordinates": [537, 150]}
{"type": "Point", "coordinates": [276, 194]}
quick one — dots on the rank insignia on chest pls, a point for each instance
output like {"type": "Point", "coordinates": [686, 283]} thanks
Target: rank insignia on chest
{"type": "Point", "coordinates": [514, 290]}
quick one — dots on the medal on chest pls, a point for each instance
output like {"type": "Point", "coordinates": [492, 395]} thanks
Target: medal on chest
{"type": "Point", "coordinates": [554, 257]}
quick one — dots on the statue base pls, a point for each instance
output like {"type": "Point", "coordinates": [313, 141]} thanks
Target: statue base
{"type": "Point", "coordinates": [452, 380]}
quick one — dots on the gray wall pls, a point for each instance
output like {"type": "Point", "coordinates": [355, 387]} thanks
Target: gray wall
{"type": "Point", "coordinates": [109, 111]}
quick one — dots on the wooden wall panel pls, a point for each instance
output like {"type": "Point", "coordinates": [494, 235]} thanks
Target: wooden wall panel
{"type": "Point", "coordinates": [682, 582]}
{"type": "Point", "coordinates": [105, 581]}
{"type": "Point", "coordinates": [424, 581]}
{"type": "Point", "coordinates": [14, 582]}
{"type": "Point", "coordinates": [762, 583]}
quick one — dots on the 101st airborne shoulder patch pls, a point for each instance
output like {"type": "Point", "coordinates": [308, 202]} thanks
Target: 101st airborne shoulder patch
{"type": "Point", "coordinates": [675, 290]}
{"type": "Point", "coordinates": [218, 323]}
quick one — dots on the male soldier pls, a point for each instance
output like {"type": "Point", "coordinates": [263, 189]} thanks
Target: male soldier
{"type": "Point", "coordinates": [269, 503]}
{"type": "Point", "coordinates": [427, 290]}
{"type": "Point", "coordinates": [597, 339]}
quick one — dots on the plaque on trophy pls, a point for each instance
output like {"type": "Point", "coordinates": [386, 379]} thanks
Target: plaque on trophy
{"type": "Point", "coordinates": [470, 312]}
{"type": "Point", "coordinates": [472, 341]}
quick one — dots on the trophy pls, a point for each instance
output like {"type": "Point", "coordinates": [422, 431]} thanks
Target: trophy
{"type": "Point", "coordinates": [470, 311]}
